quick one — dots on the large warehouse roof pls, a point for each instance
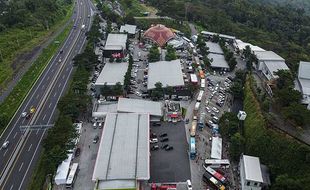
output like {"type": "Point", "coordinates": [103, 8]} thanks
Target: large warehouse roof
{"type": "Point", "coordinates": [169, 73]}
{"type": "Point", "coordinates": [123, 155]}
{"type": "Point", "coordinates": [216, 149]}
{"type": "Point", "coordinates": [218, 61]}
{"type": "Point", "coordinates": [130, 29]}
{"type": "Point", "coordinates": [139, 106]}
{"type": "Point", "coordinates": [116, 41]}
{"type": "Point", "coordinates": [274, 66]}
{"type": "Point", "coordinates": [304, 77]}
{"type": "Point", "coordinates": [112, 73]}
{"type": "Point", "coordinates": [252, 168]}
{"type": "Point", "coordinates": [268, 56]}
{"type": "Point", "coordinates": [160, 34]}
{"type": "Point", "coordinates": [214, 48]}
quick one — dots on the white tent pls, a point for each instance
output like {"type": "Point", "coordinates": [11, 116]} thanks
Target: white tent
{"type": "Point", "coordinates": [216, 149]}
{"type": "Point", "coordinates": [63, 170]}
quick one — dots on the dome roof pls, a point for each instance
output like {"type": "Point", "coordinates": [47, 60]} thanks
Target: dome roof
{"type": "Point", "coordinates": [159, 34]}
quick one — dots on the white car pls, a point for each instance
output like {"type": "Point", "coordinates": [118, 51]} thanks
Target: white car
{"type": "Point", "coordinates": [208, 109]}
{"type": "Point", "coordinates": [24, 114]}
{"type": "Point", "coordinates": [138, 93]}
{"type": "Point", "coordinates": [155, 140]}
{"type": "Point", "coordinates": [215, 110]}
{"type": "Point", "coordinates": [5, 144]}
{"type": "Point", "coordinates": [189, 185]}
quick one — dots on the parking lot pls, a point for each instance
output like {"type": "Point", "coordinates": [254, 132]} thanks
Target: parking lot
{"type": "Point", "coordinates": [172, 165]}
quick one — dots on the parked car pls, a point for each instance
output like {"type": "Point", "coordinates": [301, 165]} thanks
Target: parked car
{"type": "Point", "coordinates": [95, 125]}
{"type": "Point", "coordinates": [186, 121]}
{"type": "Point", "coordinates": [5, 144]}
{"type": "Point", "coordinates": [24, 114]}
{"type": "Point", "coordinates": [215, 110]}
{"type": "Point", "coordinates": [189, 185]}
{"type": "Point", "coordinates": [164, 146]}
{"type": "Point", "coordinates": [163, 135]}
{"type": "Point", "coordinates": [77, 152]}
{"type": "Point", "coordinates": [156, 147]}
{"type": "Point", "coordinates": [156, 124]}
{"type": "Point", "coordinates": [169, 148]}
{"type": "Point", "coordinates": [154, 140]}
{"type": "Point", "coordinates": [96, 139]}
{"type": "Point", "coordinates": [164, 139]}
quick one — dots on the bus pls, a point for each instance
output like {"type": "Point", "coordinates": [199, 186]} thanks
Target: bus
{"type": "Point", "coordinates": [216, 174]}
{"type": "Point", "coordinates": [208, 178]}
{"type": "Point", "coordinates": [192, 148]}
{"type": "Point", "coordinates": [217, 163]}
{"type": "Point", "coordinates": [200, 95]}
{"type": "Point", "coordinates": [196, 108]}
{"type": "Point", "coordinates": [72, 175]}
{"type": "Point", "coordinates": [193, 128]}
{"type": "Point", "coordinates": [202, 84]}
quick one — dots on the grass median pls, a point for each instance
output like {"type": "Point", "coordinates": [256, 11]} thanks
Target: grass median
{"type": "Point", "coordinates": [10, 105]}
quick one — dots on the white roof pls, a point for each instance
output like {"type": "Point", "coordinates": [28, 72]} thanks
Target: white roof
{"type": "Point", "coordinates": [216, 149]}
{"type": "Point", "coordinates": [63, 170]}
{"type": "Point", "coordinates": [112, 73]}
{"type": "Point", "coordinates": [130, 29]}
{"type": "Point", "coordinates": [268, 56]}
{"type": "Point", "coordinates": [274, 66]}
{"type": "Point", "coordinates": [214, 48]}
{"type": "Point", "coordinates": [252, 168]}
{"type": "Point", "coordinates": [220, 35]}
{"type": "Point", "coordinates": [139, 106]}
{"type": "Point", "coordinates": [116, 41]}
{"type": "Point", "coordinates": [218, 61]}
{"type": "Point", "coordinates": [194, 78]}
{"type": "Point", "coordinates": [123, 155]}
{"type": "Point", "coordinates": [304, 77]}
{"type": "Point", "coordinates": [169, 73]}
{"type": "Point", "coordinates": [241, 45]}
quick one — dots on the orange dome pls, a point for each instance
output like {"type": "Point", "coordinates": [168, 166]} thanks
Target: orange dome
{"type": "Point", "coordinates": [159, 34]}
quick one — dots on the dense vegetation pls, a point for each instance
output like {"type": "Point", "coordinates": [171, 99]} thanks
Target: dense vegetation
{"type": "Point", "coordinates": [71, 106]}
{"type": "Point", "coordinates": [24, 24]}
{"type": "Point", "coordinates": [282, 29]}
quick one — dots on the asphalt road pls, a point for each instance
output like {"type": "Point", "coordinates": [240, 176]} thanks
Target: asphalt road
{"type": "Point", "coordinates": [19, 159]}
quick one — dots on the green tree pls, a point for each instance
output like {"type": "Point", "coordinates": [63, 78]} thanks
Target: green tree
{"type": "Point", "coordinates": [297, 113]}
{"type": "Point", "coordinates": [229, 124]}
{"type": "Point", "coordinates": [285, 182]}
{"type": "Point", "coordinates": [171, 53]}
{"type": "Point", "coordinates": [236, 89]}
{"type": "Point", "coordinates": [285, 79]}
{"type": "Point", "coordinates": [236, 146]}
{"type": "Point", "coordinates": [154, 54]}
{"type": "Point", "coordinates": [118, 89]}
{"type": "Point", "coordinates": [286, 96]}
{"type": "Point", "coordinates": [105, 90]}
{"type": "Point", "coordinates": [158, 91]}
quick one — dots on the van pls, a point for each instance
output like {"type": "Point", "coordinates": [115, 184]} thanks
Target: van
{"type": "Point", "coordinates": [99, 125]}
{"type": "Point", "coordinates": [189, 185]}
{"type": "Point", "coordinates": [95, 125]}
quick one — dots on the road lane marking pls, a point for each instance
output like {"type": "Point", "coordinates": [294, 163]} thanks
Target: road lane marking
{"type": "Point", "coordinates": [63, 77]}
{"type": "Point", "coordinates": [37, 132]}
{"type": "Point", "coordinates": [67, 69]}
{"type": "Point", "coordinates": [5, 152]}
{"type": "Point", "coordinates": [43, 86]}
{"type": "Point", "coordinates": [12, 186]}
{"type": "Point", "coordinates": [44, 116]}
{"type": "Point", "coordinates": [38, 96]}
{"type": "Point", "coordinates": [29, 147]}
{"type": "Point", "coordinates": [55, 94]}
{"type": "Point", "coordinates": [48, 78]}
{"type": "Point", "coordinates": [49, 106]}
{"type": "Point", "coordinates": [52, 70]}
{"type": "Point", "coordinates": [15, 135]}
{"type": "Point", "coordinates": [21, 166]}
{"type": "Point", "coordinates": [59, 85]}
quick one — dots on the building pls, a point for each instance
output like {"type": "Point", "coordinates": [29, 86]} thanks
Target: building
{"type": "Point", "coordinates": [173, 111]}
{"type": "Point", "coordinates": [111, 74]}
{"type": "Point", "coordinates": [251, 175]}
{"type": "Point", "coordinates": [240, 46]}
{"type": "Point", "coordinates": [63, 170]}
{"type": "Point", "coordinates": [129, 105]}
{"type": "Point", "coordinates": [216, 148]}
{"type": "Point", "coordinates": [159, 35]}
{"type": "Point", "coordinates": [123, 160]}
{"type": "Point", "coordinates": [129, 29]}
{"type": "Point", "coordinates": [168, 73]}
{"type": "Point", "coordinates": [269, 62]}
{"type": "Point", "coordinates": [227, 38]}
{"type": "Point", "coordinates": [303, 82]}
{"type": "Point", "coordinates": [218, 61]}
{"type": "Point", "coordinates": [214, 48]}
{"type": "Point", "coordinates": [115, 45]}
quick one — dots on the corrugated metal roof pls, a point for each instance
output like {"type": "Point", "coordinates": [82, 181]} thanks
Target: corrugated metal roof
{"type": "Point", "coordinates": [304, 70]}
{"type": "Point", "coordinates": [214, 48]}
{"type": "Point", "coordinates": [130, 29]}
{"type": "Point", "coordinates": [139, 106]}
{"type": "Point", "coordinates": [124, 148]}
{"type": "Point", "coordinates": [112, 73]}
{"type": "Point", "coordinates": [116, 41]}
{"type": "Point", "coordinates": [169, 73]}
{"type": "Point", "coordinates": [268, 56]}
{"type": "Point", "coordinates": [274, 66]}
{"type": "Point", "coordinates": [252, 168]}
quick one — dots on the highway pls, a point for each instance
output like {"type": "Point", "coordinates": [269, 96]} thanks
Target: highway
{"type": "Point", "coordinates": [19, 159]}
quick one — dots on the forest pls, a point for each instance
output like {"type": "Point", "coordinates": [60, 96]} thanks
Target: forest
{"type": "Point", "coordinates": [283, 29]}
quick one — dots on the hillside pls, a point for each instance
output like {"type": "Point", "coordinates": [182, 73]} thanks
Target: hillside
{"type": "Point", "coordinates": [282, 29]}
{"type": "Point", "coordinates": [302, 5]}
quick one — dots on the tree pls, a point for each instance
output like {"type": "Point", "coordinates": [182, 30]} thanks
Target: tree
{"type": "Point", "coordinates": [129, 19]}
{"type": "Point", "coordinates": [232, 63]}
{"type": "Point", "coordinates": [154, 54]}
{"type": "Point", "coordinates": [171, 53]}
{"type": "Point", "coordinates": [229, 124]}
{"type": "Point", "coordinates": [236, 146]}
{"type": "Point", "coordinates": [105, 90]}
{"type": "Point", "coordinates": [236, 89]}
{"type": "Point", "coordinates": [157, 92]}
{"type": "Point", "coordinates": [285, 79]}
{"type": "Point", "coordinates": [118, 89]}
{"type": "Point", "coordinates": [285, 182]}
{"type": "Point", "coordinates": [286, 96]}
{"type": "Point", "coordinates": [297, 113]}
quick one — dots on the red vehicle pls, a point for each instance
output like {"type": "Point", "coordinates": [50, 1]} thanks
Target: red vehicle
{"type": "Point", "coordinates": [164, 187]}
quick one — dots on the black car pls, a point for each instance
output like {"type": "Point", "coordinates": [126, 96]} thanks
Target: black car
{"type": "Point", "coordinates": [164, 140]}
{"type": "Point", "coordinates": [169, 148]}
{"type": "Point", "coordinates": [155, 124]}
{"type": "Point", "coordinates": [186, 121]}
{"type": "Point", "coordinates": [163, 135]}
{"type": "Point", "coordinates": [156, 147]}
{"type": "Point", "coordinates": [77, 152]}
{"type": "Point", "coordinates": [164, 146]}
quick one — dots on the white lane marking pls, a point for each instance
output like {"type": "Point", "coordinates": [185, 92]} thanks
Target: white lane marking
{"type": "Point", "coordinates": [15, 135]}
{"type": "Point", "coordinates": [11, 186]}
{"type": "Point", "coordinates": [43, 86]}
{"type": "Point", "coordinates": [67, 69]}
{"type": "Point", "coordinates": [29, 147]}
{"type": "Point", "coordinates": [55, 94]}
{"type": "Point", "coordinates": [48, 78]}
{"type": "Point", "coordinates": [52, 70]}
{"type": "Point", "coordinates": [38, 96]}
{"type": "Point", "coordinates": [49, 106]}
{"type": "Point", "coordinates": [5, 152]}
{"type": "Point", "coordinates": [63, 77]}
{"type": "Point", "coordinates": [44, 116]}
{"type": "Point", "coordinates": [21, 166]}
{"type": "Point", "coordinates": [37, 132]}
{"type": "Point", "coordinates": [59, 85]}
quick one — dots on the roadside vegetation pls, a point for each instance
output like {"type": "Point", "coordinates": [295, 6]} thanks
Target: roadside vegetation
{"type": "Point", "coordinates": [71, 107]}
{"type": "Point", "coordinates": [25, 25]}
{"type": "Point", "coordinates": [9, 106]}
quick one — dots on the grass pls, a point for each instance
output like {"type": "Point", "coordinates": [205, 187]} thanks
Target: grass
{"type": "Point", "coordinates": [16, 41]}
{"type": "Point", "coordinates": [136, 8]}
{"type": "Point", "coordinates": [12, 102]}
